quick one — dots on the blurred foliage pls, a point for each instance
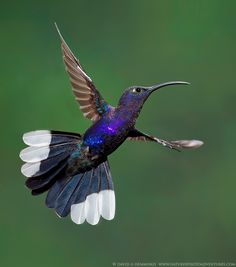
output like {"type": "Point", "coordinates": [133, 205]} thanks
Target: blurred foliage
{"type": "Point", "coordinates": [170, 206]}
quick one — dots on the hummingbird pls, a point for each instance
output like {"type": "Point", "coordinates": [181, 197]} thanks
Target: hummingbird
{"type": "Point", "coordinates": [73, 168]}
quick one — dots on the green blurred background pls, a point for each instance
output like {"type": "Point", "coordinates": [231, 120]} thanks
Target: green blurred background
{"type": "Point", "coordinates": [170, 206]}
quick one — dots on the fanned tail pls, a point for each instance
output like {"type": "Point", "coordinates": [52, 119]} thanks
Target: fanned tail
{"type": "Point", "coordinates": [87, 195]}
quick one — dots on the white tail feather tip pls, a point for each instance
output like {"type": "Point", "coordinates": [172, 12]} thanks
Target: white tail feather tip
{"type": "Point", "coordinates": [30, 169]}
{"type": "Point", "coordinates": [37, 138]}
{"type": "Point", "coordinates": [34, 154]}
{"type": "Point", "coordinates": [95, 205]}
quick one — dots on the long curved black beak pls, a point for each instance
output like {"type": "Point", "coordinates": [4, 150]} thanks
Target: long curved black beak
{"type": "Point", "coordinates": [158, 86]}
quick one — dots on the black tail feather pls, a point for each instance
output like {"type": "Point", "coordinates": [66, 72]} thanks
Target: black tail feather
{"type": "Point", "coordinates": [106, 182]}
{"type": "Point", "coordinates": [75, 186]}
{"type": "Point", "coordinates": [48, 165]}
{"type": "Point", "coordinates": [38, 182]}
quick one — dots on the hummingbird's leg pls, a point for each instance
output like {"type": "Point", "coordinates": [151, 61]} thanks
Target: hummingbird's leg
{"type": "Point", "coordinates": [176, 145]}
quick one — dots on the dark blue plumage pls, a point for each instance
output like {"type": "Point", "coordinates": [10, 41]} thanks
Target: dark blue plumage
{"type": "Point", "coordinates": [74, 168]}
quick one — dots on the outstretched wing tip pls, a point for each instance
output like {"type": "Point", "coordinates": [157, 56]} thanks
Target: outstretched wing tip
{"type": "Point", "coordinates": [196, 143]}
{"type": "Point", "coordinates": [58, 31]}
{"type": "Point", "coordinates": [61, 37]}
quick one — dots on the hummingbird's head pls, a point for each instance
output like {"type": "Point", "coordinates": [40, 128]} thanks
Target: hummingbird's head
{"type": "Point", "coordinates": [135, 96]}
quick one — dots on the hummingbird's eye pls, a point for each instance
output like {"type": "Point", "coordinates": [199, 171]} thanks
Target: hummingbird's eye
{"type": "Point", "coordinates": [137, 90]}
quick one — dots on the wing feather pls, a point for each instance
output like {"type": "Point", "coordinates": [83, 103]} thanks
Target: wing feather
{"type": "Point", "coordinates": [136, 135]}
{"type": "Point", "coordinates": [91, 103]}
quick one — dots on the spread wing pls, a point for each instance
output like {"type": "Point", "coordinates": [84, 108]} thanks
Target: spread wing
{"type": "Point", "coordinates": [136, 135]}
{"type": "Point", "coordinates": [91, 102]}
